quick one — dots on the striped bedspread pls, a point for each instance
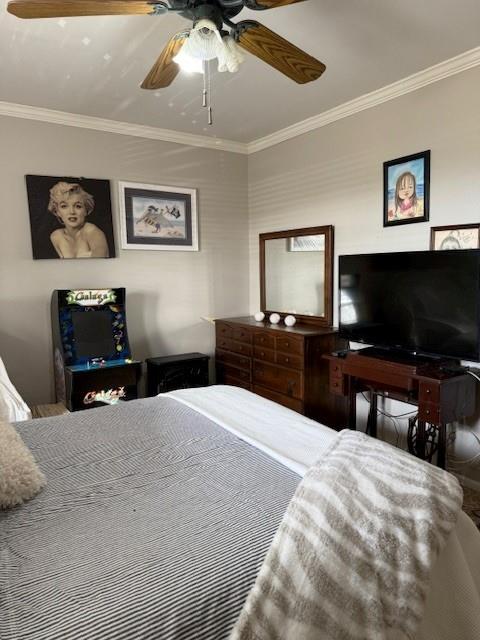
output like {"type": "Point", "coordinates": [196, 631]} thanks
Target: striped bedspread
{"type": "Point", "coordinates": [153, 526]}
{"type": "Point", "coordinates": [354, 552]}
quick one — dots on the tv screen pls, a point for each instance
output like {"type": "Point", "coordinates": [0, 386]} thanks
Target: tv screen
{"type": "Point", "coordinates": [92, 332]}
{"type": "Point", "coordinates": [422, 301]}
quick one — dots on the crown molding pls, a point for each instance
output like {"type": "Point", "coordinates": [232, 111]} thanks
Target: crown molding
{"type": "Point", "coordinates": [416, 81]}
{"type": "Point", "coordinates": [123, 128]}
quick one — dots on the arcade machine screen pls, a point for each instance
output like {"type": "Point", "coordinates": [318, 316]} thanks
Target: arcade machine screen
{"type": "Point", "coordinates": [93, 333]}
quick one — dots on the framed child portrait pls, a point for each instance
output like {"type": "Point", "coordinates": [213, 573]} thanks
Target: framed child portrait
{"type": "Point", "coordinates": [160, 218]}
{"type": "Point", "coordinates": [70, 217]}
{"type": "Point", "coordinates": [406, 189]}
{"type": "Point", "coordinates": [455, 236]}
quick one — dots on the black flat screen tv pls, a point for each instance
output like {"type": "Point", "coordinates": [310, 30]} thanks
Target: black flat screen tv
{"type": "Point", "coordinates": [423, 302]}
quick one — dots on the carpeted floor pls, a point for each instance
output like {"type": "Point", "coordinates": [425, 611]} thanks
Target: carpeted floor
{"type": "Point", "coordinates": [471, 504]}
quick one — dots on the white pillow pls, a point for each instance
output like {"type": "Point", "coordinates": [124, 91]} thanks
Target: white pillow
{"type": "Point", "coordinates": [12, 406]}
{"type": "Point", "coordinates": [20, 477]}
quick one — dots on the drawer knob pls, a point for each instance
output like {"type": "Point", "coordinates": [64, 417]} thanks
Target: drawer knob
{"type": "Point", "coordinates": [427, 412]}
{"type": "Point", "coordinates": [262, 353]}
{"type": "Point", "coordinates": [287, 360]}
{"type": "Point", "coordinates": [287, 344]}
{"type": "Point", "coordinates": [240, 348]}
{"type": "Point", "coordinates": [262, 339]}
{"type": "Point", "coordinates": [335, 384]}
{"type": "Point", "coordinates": [427, 391]}
{"type": "Point", "coordinates": [335, 368]}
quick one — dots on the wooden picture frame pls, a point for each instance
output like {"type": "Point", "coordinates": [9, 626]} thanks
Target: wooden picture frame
{"type": "Point", "coordinates": [327, 231]}
{"type": "Point", "coordinates": [158, 218]}
{"type": "Point", "coordinates": [455, 236]}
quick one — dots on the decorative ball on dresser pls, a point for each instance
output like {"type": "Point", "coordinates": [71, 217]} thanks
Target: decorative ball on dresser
{"type": "Point", "coordinates": [259, 316]}
{"type": "Point", "coordinates": [290, 321]}
{"type": "Point", "coordinates": [274, 318]}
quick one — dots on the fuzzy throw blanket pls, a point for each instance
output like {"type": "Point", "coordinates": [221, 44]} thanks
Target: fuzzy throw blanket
{"type": "Point", "coordinates": [352, 557]}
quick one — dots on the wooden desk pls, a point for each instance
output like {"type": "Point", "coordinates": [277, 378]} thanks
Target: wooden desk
{"type": "Point", "coordinates": [441, 397]}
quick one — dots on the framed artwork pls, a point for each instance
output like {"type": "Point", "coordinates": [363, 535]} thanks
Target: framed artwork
{"type": "Point", "coordinates": [156, 217]}
{"type": "Point", "coordinates": [70, 217]}
{"type": "Point", "coordinates": [455, 236]}
{"type": "Point", "coordinates": [406, 189]}
{"type": "Point", "coordinates": [306, 243]}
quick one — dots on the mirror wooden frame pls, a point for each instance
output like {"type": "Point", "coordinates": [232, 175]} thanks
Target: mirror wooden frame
{"type": "Point", "coordinates": [325, 320]}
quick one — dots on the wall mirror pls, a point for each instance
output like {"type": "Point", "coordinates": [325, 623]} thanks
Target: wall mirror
{"type": "Point", "coordinates": [296, 274]}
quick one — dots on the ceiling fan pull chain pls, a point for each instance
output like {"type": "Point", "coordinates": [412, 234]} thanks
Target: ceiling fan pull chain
{"type": "Point", "coordinates": [204, 95]}
{"type": "Point", "coordinates": [209, 80]}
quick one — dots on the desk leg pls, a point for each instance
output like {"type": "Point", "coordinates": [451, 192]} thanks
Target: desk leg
{"type": "Point", "coordinates": [372, 416]}
{"type": "Point", "coordinates": [442, 445]}
{"type": "Point", "coordinates": [352, 405]}
{"type": "Point", "coordinates": [420, 451]}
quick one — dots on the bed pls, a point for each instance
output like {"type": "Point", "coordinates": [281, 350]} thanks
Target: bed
{"type": "Point", "coordinates": [158, 514]}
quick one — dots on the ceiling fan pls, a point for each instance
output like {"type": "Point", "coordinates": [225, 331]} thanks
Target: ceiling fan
{"type": "Point", "coordinates": [213, 34]}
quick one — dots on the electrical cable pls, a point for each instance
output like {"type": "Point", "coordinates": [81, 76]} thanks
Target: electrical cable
{"type": "Point", "coordinates": [474, 375]}
{"type": "Point", "coordinates": [391, 415]}
{"type": "Point", "coordinates": [451, 438]}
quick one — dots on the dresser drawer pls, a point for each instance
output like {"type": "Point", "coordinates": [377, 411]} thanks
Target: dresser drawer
{"type": "Point", "coordinates": [263, 339]}
{"type": "Point", "coordinates": [337, 386]}
{"type": "Point", "coordinates": [279, 398]}
{"type": "Point", "coordinates": [335, 370]}
{"type": "Point", "coordinates": [237, 347]}
{"type": "Point", "coordinates": [228, 357]}
{"type": "Point", "coordinates": [225, 371]}
{"type": "Point", "coordinates": [429, 412]}
{"type": "Point", "coordinates": [236, 382]}
{"type": "Point", "coordinates": [288, 360]}
{"type": "Point", "coordinates": [223, 330]}
{"type": "Point", "coordinates": [428, 392]}
{"type": "Point", "coordinates": [242, 335]}
{"type": "Point", "coordinates": [289, 345]}
{"type": "Point", "coordinates": [263, 354]}
{"type": "Point", "coordinates": [286, 381]}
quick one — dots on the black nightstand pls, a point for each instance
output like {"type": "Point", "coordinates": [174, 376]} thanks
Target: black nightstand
{"type": "Point", "coordinates": [176, 372]}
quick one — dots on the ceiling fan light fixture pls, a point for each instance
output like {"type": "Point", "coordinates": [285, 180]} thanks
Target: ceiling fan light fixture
{"type": "Point", "coordinates": [230, 57]}
{"type": "Point", "coordinates": [188, 63]}
{"type": "Point", "coordinates": [205, 42]}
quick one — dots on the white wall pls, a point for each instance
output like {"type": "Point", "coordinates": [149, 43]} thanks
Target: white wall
{"type": "Point", "coordinates": [330, 176]}
{"type": "Point", "coordinates": [334, 176]}
{"type": "Point", "coordinates": [167, 291]}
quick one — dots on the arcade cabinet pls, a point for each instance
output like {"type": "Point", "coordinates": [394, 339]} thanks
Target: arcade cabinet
{"type": "Point", "coordinates": [92, 358]}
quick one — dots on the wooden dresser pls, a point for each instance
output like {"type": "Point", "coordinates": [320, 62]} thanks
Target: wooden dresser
{"type": "Point", "coordinates": [283, 364]}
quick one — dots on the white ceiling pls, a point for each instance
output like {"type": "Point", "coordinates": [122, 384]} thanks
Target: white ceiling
{"type": "Point", "coordinates": [94, 66]}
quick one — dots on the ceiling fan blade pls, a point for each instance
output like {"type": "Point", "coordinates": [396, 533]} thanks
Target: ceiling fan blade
{"type": "Point", "coordinates": [71, 8]}
{"type": "Point", "coordinates": [165, 70]}
{"type": "Point", "coordinates": [278, 52]}
{"type": "Point", "coordinates": [258, 5]}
